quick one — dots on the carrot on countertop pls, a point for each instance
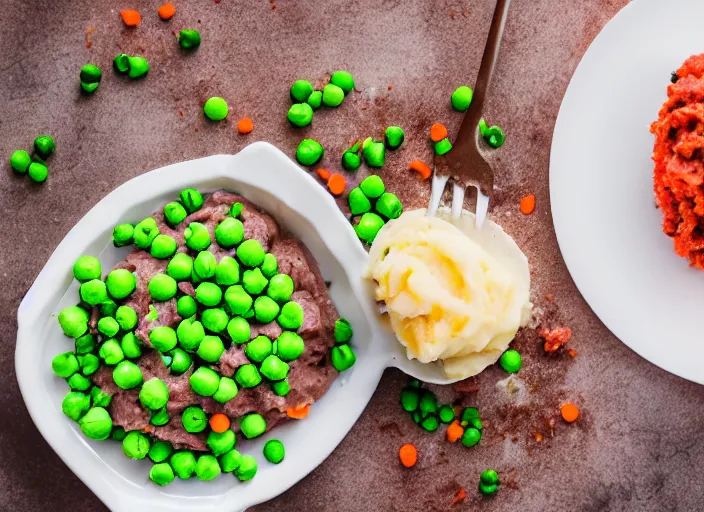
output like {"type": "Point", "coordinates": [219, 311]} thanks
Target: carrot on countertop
{"type": "Point", "coordinates": [245, 125]}
{"type": "Point", "coordinates": [460, 496]}
{"type": "Point", "coordinates": [528, 204]}
{"type": "Point", "coordinates": [299, 412]}
{"type": "Point", "coordinates": [130, 17]}
{"type": "Point", "coordinates": [219, 423]}
{"type": "Point", "coordinates": [454, 431]}
{"type": "Point", "coordinates": [421, 168]}
{"type": "Point", "coordinates": [569, 412]}
{"type": "Point", "coordinates": [147, 429]}
{"type": "Point", "coordinates": [166, 11]}
{"type": "Point", "coordinates": [336, 184]}
{"type": "Point", "coordinates": [538, 436]}
{"type": "Point", "coordinates": [408, 455]}
{"type": "Point", "coordinates": [323, 174]}
{"type": "Point", "coordinates": [438, 132]}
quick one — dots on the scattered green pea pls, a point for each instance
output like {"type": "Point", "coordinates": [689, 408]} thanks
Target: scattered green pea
{"type": "Point", "coordinates": [374, 154]}
{"type": "Point", "coordinates": [446, 414]}
{"type": "Point", "coordinates": [183, 464]}
{"type": "Point", "coordinates": [252, 425]}
{"type": "Point", "coordinates": [251, 253]}
{"type": "Point", "coordinates": [409, 399]}
{"type": "Point", "coordinates": [192, 200]}
{"type": "Point", "coordinates": [44, 146]}
{"type": "Point", "coordinates": [247, 468]}
{"type": "Point", "coordinates": [136, 445]}
{"type": "Point", "coordinates": [394, 137]}
{"type": "Point", "coordinates": [162, 287]}
{"type": "Point", "coordinates": [131, 346]}
{"type": "Point", "coordinates": [510, 361]}
{"type": "Point", "coordinates": [471, 437]}
{"type": "Point", "coordinates": [461, 98]}
{"type": "Point", "coordinates": [85, 344]}
{"type": "Point", "coordinates": [161, 474]}
{"type": "Point", "coordinates": [89, 88]}
{"type": "Point", "coordinates": [309, 152]}
{"type": "Point", "coordinates": [389, 206]}
{"type": "Point", "coordinates": [343, 358]}
{"type": "Point", "coordinates": [442, 147]}
{"type": "Point", "coordinates": [281, 388]}
{"type": "Point", "coordinates": [273, 368]}
{"type": "Point", "coordinates": [428, 403]}
{"type": "Point", "coordinates": [20, 161]}
{"type": "Point", "coordinates": [216, 109]}
{"type": "Point", "coordinates": [204, 265]}
{"type": "Point", "coordinates": [291, 316]}
{"type": "Point", "coordinates": [238, 301]}
{"type": "Point", "coordinates": [274, 451]}
{"type": "Point", "coordinates": [78, 382]}
{"type": "Point", "coordinates": [359, 203]}
{"type": "Point", "coordinates": [495, 137]}
{"type": "Point", "coordinates": [368, 227]}
{"type": "Point", "coordinates": [300, 114]}
{"type": "Point", "coordinates": [205, 381]}
{"type": "Point", "coordinates": [189, 39]}
{"type": "Point", "coordinates": [343, 80]}
{"type": "Point", "coordinates": [430, 424]}
{"type": "Point", "coordinates": [180, 267]}
{"type": "Point", "coordinates": [90, 74]}
{"type": "Point", "coordinates": [315, 99]}
{"type": "Point", "coordinates": [351, 161]}
{"type": "Point", "coordinates": [154, 394]}
{"type": "Point", "coordinates": [221, 442]}
{"type": "Point", "coordinates": [488, 482]}
{"type": "Point", "coordinates": [181, 361]}
{"type": "Point", "coordinates": [269, 265]}
{"type": "Point", "coordinates": [372, 186]}
{"type": "Point", "coordinates": [121, 63]}
{"type": "Point", "coordinates": [123, 235]}
{"type": "Point", "coordinates": [38, 172]}
{"type": "Point", "coordinates": [230, 461]}
{"type": "Point", "coordinates": [139, 67]}
{"type": "Point", "coordinates": [99, 397]}
{"type": "Point", "coordinates": [301, 90]}
{"type": "Point", "coordinates": [73, 321]}
{"type": "Point", "coordinates": [342, 331]}
{"type": "Point", "coordinates": [332, 95]}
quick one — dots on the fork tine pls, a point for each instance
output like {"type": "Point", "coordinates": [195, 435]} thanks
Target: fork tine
{"type": "Point", "coordinates": [438, 187]}
{"type": "Point", "coordinates": [482, 208]}
{"type": "Point", "coordinates": [457, 200]}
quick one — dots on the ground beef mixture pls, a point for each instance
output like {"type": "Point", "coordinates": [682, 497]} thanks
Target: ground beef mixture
{"type": "Point", "coordinates": [679, 161]}
{"type": "Point", "coordinates": [311, 374]}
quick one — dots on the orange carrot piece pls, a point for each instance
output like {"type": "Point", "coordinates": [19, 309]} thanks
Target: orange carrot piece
{"type": "Point", "coordinates": [421, 168]}
{"type": "Point", "coordinates": [569, 412]}
{"type": "Point", "coordinates": [323, 174]}
{"type": "Point", "coordinates": [219, 423]}
{"type": "Point", "coordinates": [438, 132]}
{"type": "Point", "coordinates": [245, 125]}
{"type": "Point", "coordinates": [460, 496]}
{"type": "Point", "coordinates": [298, 413]}
{"type": "Point", "coordinates": [408, 455]}
{"type": "Point", "coordinates": [130, 17]}
{"type": "Point", "coordinates": [528, 204]}
{"type": "Point", "coordinates": [336, 184]}
{"type": "Point", "coordinates": [147, 429]}
{"type": "Point", "coordinates": [166, 11]}
{"type": "Point", "coordinates": [454, 431]}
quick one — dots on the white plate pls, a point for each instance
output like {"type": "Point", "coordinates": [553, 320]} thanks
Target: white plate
{"type": "Point", "coordinates": [270, 179]}
{"type": "Point", "coordinates": [601, 185]}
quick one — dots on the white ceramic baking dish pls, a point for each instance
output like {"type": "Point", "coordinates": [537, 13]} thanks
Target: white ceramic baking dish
{"type": "Point", "coordinates": [270, 179]}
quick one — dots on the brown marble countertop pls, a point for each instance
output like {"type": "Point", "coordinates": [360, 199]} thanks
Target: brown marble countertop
{"type": "Point", "coordinates": [639, 442]}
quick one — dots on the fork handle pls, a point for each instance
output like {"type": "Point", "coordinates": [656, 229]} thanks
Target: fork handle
{"type": "Point", "coordinates": [468, 131]}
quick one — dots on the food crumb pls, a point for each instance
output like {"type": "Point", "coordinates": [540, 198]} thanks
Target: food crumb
{"type": "Point", "coordinates": [538, 436]}
{"type": "Point", "coordinates": [528, 204]}
{"type": "Point", "coordinates": [89, 31]}
{"type": "Point", "coordinates": [572, 353]}
{"type": "Point", "coordinates": [452, 14]}
{"type": "Point", "coordinates": [555, 338]}
{"type": "Point", "coordinates": [460, 496]}
{"type": "Point", "coordinates": [389, 87]}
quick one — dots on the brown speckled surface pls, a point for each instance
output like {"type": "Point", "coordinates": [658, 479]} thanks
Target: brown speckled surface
{"type": "Point", "coordinates": [639, 444]}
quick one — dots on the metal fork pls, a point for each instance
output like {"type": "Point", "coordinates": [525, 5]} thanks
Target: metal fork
{"type": "Point", "coordinates": [465, 163]}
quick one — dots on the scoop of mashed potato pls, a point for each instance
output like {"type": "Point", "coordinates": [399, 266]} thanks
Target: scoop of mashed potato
{"type": "Point", "coordinates": [456, 296]}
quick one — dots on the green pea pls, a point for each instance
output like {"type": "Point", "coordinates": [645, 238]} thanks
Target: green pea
{"type": "Point", "coordinates": [194, 419]}
{"type": "Point", "coordinates": [126, 318]}
{"type": "Point", "coordinates": [180, 267]}
{"type": "Point", "coordinates": [291, 316]}
{"type": "Point", "coordinates": [204, 381]}
{"type": "Point", "coordinates": [315, 99]}
{"type": "Point", "coordinates": [207, 467]}
{"type": "Point", "coordinates": [99, 397]}
{"type": "Point", "coordinates": [274, 451]}
{"type": "Point", "coordinates": [289, 346]}
{"type": "Point", "coordinates": [89, 364]}
{"type": "Point", "coordinates": [118, 434]}
{"type": "Point", "coordinates": [78, 382]}
{"type": "Point", "coordinates": [162, 287]}
{"type": "Point", "coordinates": [428, 403]}
{"type": "Point", "coordinates": [160, 417]}
{"type": "Point", "coordinates": [309, 152]}
{"type": "Point", "coordinates": [214, 319]}
{"type": "Point", "coordinates": [163, 338]}
{"type": "Point", "coordinates": [469, 414]}
{"type": "Point", "coordinates": [204, 264]}
{"type": "Point", "coordinates": [247, 468]}
{"type": "Point", "coordinates": [75, 405]}
{"type": "Point", "coordinates": [174, 213]}
{"type": "Point", "coordinates": [358, 202]}
{"type": "Point", "coordinates": [190, 333]}
{"type": "Point", "coordinates": [301, 90]}
{"type": "Point", "coordinates": [238, 301]}
{"type": "Point", "coordinates": [216, 109]}
{"type": "Point", "coordinates": [487, 489]}
{"type": "Point", "coordinates": [274, 368]}
{"type": "Point", "coordinates": [227, 390]}
{"type": "Point", "coordinates": [374, 154]}
{"type": "Point", "coordinates": [108, 326]}
{"type": "Point", "coordinates": [93, 292]}
{"type": "Point", "coordinates": [121, 63]}
{"type": "Point", "coordinates": [227, 272]}
{"type": "Point", "coordinates": [251, 253]}
{"type": "Point", "coordinates": [154, 394]}
{"type": "Point", "coordinates": [258, 349]}
{"type": "Point", "coordinates": [343, 331]}
{"type": "Point", "coordinates": [280, 288]}
{"type": "Point", "coordinates": [389, 206]}
{"type": "Point", "coordinates": [430, 424]}
{"type": "Point", "coordinates": [161, 474]}
{"type": "Point", "coordinates": [44, 146]}
{"type": "Point", "coordinates": [96, 423]}
{"type": "Point", "coordinates": [139, 67]}
{"type": "Point", "coordinates": [229, 232]}
{"type": "Point", "coordinates": [122, 235]}
{"type": "Point", "coordinates": [131, 346]}
{"type": "Point", "coordinates": [111, 352]}
{"type": "Point", "coordinates": [90, 73]}
{"type": "Point", "coordinates": [461, 98]}
{"type": "Point", "coordinates": [281, 388]}
{"type": "Point", "coordinates": [489, 477]}
{"type": "Point", "coordinates": [236, 210]}
{"type": "Point", "coordinates": [127, 375]}
{"type": "Point", "coordinates": [372, 186]}
{"type": "Point", "coordinates": [332, 95]}
{"type": "Point", "coordinates": [230, 461]}
{"type": "Point", "coordinates": [135, 445]}
{"type": "Point", "coordinates": [495, 137]}
{"type": "Point", "coordinates": [180, 362]}
{"type": "Point", "coordinates": [145, 232]}
{"type": "Point", "coordinates": [73, 321]}
{"type": "Point", "coordinates": [89, 88]}
{"type": "Point", "coordinates": [38, 172]}
{"type": "Point", "coordinates": [252, 425]}
{"type": "Point", "coordinates": [248, 376]}
{"type": "Point", "coordinates": [343, 358]}
{"type": "Point", "coordinates": [221, 442]}
{"type": "Point", "coordinates": [510, 361]}
{"type": "Point", "coordinates": [85, 344]}
{"type": "Point", "coordinates": [368, 227]}
{"type": "Point", "coordinates": [189, 39]}
{"type": "Point", "coordinates": [163, 246]}
{"type": "Point", "coordinates": [254, 281]}
{"type": "Point", "coordinates": [471, 437]}
{"type": "Point", "coordinates": [108, 308]}
{"type": "Point", "coordinates": [269, 265]}
{"type": "Point", "coordinates": [186, 306]}
{"type": "Point", "coordinates": [300, 114]}
{"type": "Point", "coordinates": [343, 80]}
{"type": "Point", "coordinates": [210, 349]}
{"type": "Point", "coordinates": [351, 161]}
{"type": "Point", "coordinates": [20, 161]}
{"type": "Point", "coordinates": [239, 330]}
{"type": "Point", "coordinates": [394, 137]}
{"type": "Point", "coordinates": [442, 147]}
{"type": "Point", "coordinates": [191, 199]}
{"type": "Point", "coordinates": [409, 399]}
{"type": "Point", "coordinates": [208, 294]}
{"type": "Point", "coordinates": [265, 309]}
{"type": "Point", "coordinates": [183, 464]}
